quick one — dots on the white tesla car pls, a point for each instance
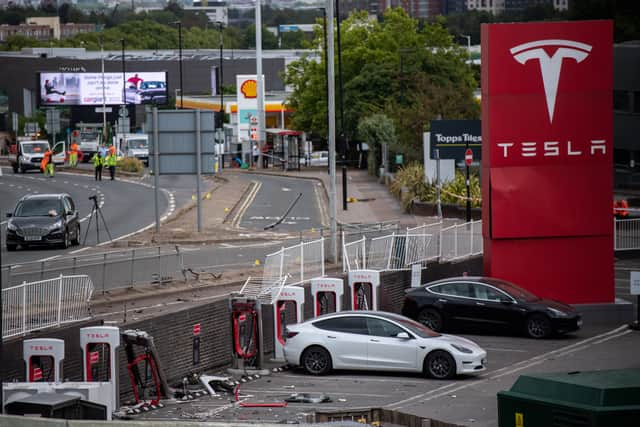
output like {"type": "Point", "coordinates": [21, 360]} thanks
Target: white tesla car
{"type": "Point", "coordinates": [379, 341]}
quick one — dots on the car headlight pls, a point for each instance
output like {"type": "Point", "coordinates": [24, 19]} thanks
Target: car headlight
{"type": "Point", "coordinates": [557, 312]}
{"type": "Point", "coordinates": [56, 225]}
{"type": "Point", "coordinates": [462, 349]}
{"type": "Point", "coordinates": [11, 226]}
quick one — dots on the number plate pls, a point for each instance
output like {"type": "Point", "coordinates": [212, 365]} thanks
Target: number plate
{"type": "Point", "coordinates": [32, 238]}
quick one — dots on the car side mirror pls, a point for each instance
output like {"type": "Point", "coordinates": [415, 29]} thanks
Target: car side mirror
{"type": "Point", "coordinates": [505, 300]}
{"type": "Point", "coordinates": [403, 335]}
{"type": "Point", "coordinates": [9, 215]}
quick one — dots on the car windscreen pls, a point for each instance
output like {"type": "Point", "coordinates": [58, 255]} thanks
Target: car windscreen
{"type": "Point", "coordinates": [513, 290]}
{"type": "Point", "coordinates": [39, 148]}
{"type": "Point", "coordinates": [152, 85]}
{"type": "Point", "coordinates": [138, 143]}
{"type": "Point", "coordinates": [38, 207]}
{"type": "Point", "coordinates": [89, 136]}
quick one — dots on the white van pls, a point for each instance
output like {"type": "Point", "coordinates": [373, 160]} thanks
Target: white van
{"type": "Point", "coordinates": [134, 145]}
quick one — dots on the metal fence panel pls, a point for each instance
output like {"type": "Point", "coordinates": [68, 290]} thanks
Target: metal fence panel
{"type": "Point", "coordinates": [44, 304]}
{"type": "Point", "coordinates": [299, 263]}
{"type": "Point", "coordinates": [626, 234]}
{"type": "Point", "coordinates": [353, 254]}
{"type": "Point", "coordinates": [108, 270]}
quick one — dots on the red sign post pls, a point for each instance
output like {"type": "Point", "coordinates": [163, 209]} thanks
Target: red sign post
{"type": "Point", "coordinates": [547, 157]}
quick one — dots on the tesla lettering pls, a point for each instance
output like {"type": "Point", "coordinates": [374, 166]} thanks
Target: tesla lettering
{"type": "Point", "coordinates": [550, 67]}
{"type": "Point", "coordinates": [552, 148]}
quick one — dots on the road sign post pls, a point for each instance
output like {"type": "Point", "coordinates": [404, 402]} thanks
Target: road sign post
{"type": "Point", "coordinates": [468, 159]}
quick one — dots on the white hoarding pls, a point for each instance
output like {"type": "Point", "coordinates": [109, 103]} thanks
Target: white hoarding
{"type": "Point", "coordinates": [87, 88]}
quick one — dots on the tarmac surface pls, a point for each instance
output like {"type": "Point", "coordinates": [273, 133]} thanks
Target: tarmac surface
{"type": "Point", "coordinates": [467, 401]}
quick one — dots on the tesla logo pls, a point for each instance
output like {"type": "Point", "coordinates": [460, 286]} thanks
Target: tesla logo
{"type": "Point", "coordinates": [550, 66]}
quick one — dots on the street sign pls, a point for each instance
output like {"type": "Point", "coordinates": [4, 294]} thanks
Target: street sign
{"type": "Point", "coordinates": [196, 329]}
{"type": "Point", "coordinates": [468, 157]}
{"type": "Point", "coordinates": [634, 283]}
{"type": "Point", "coordinates": [103, 110]}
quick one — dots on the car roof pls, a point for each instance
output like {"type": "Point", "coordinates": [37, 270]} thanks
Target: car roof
{"type": "Point", "coordinates": [460, 279]}
{"type": "Point", "coordinates": [44, 196]}
{"type": "Point", "coordinates": [385, 314]}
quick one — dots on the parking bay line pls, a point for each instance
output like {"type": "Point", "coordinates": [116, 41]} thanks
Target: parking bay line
{"type": "Point", "coordinates": [507, 370]}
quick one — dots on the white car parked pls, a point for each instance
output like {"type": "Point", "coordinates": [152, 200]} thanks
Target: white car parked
{"type": "Point", "coordinates": [379, 341]}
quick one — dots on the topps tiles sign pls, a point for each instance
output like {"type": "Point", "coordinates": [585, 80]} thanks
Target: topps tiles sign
{"type": "Point", "coordinates": [453, 137]}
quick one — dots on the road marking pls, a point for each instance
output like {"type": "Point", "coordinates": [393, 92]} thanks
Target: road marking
{"type": "Point", "coordinates": [246, 203]}
{"type": "Point", "coordinates": [49, 259]}
{"type": "Point", "coordinates": [508, 370]}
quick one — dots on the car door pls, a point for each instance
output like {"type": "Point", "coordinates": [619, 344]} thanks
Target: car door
{"type": "Point", "coordinates": [71, 216]}
{"type": "Point", "coordinates": [59, 152]}
{"type": "Point", "coordinates": [346, 339]}
{"type": "Point", "coordinates": [492, 306]}
{"type": "Point", "coordinates": [386, 351]}
{"type": "Point", "coordinates": [453, 300]}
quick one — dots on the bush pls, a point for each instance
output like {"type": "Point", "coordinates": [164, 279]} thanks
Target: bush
{"type": "Point", "coordinates": [412, 178]}
{"type": "Point", "coordinates": [131, 164]}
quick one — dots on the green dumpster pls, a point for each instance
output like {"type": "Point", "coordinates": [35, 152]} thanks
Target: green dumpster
{"type": "Point", "coordinates": [586, 399]}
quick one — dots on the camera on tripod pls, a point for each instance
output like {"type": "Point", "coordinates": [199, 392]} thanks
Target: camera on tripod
{"type": "Point", "coordinates": [97, 214]}
{"type": "Point", "coordinates": [94, 198]}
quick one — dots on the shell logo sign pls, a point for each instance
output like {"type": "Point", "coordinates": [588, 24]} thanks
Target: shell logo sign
{"type": "Point", "coordinates": [249, 89]}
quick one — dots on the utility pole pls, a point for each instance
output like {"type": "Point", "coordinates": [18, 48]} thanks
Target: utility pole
{"type": "Point", "coordinates": [343, 135]}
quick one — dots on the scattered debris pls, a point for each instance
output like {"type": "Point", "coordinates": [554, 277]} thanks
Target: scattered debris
{"type": "Point", "coordinates": [307, 398]}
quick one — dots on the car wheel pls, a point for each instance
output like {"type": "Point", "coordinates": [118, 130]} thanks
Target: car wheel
{"type": "Point", "coordinates": [440, 365]}
{"type": "Point", "coordinates": [11, 247]}
{"type": "Point", "coordinates": [316, 360]}
{"type": "Point", "coordinates": [76, 237]}
{"type": "Point", "coordinates": [23, 170]}
{"type": "Point", "coordinates": [431, 318]}
{"type": "Point", "coordinates": [538, 326]}
{"type": "Point", "coordinates": [66, 242]}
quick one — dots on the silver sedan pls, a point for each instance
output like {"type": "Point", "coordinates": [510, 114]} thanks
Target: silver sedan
{"type": "Point", "coordinates": [379, 341]}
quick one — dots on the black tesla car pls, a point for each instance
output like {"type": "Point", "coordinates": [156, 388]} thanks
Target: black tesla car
{"type": "Point", "coordinates": [464, 302]}
{"type": "Point", "coordinates": [43, 219]}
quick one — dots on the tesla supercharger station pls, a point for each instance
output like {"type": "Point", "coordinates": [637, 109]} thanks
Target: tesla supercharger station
{"type": "Point", "coordinates": [287, 301]}
{"type": "Point", "coordinates": [43, 359]}
{"type": "Point", "coordinates": [364, 285]}
{"type": "Point", "coordinates": [99, 346]}
{"type": "Point", "coordinates": [327, 295]}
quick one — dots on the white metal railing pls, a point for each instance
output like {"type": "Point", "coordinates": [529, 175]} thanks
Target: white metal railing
{"type": "Point", "coordinates": [626, 234]}
{"type": "Point", "coordinates": [260, 288]}
{"type": "Point", "coordinates": [460, 241]}
{"type": "Point", "coordinates": [354, 254]}
{"type": "Point", "coordinates": [45, 304]}
{"type": "Point", "coordinates": [300, 262]}
{"type": "Point", "coordinates": [433, 248]}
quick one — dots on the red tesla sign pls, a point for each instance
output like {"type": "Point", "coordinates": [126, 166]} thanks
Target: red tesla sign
{"type": "Point", "coordinates": [547, 160]}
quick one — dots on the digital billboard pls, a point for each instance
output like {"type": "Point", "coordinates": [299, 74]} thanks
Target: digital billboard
{"type": "Point", "coordinates": [57, 88]}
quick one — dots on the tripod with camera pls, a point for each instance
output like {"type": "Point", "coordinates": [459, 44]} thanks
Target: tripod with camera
{"type": "Point", "coordinates": [96, 213]}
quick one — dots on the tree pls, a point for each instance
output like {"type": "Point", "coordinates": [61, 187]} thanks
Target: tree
{"type": "Point", "coordinates": [376, 130]}
{"type": "Point", "coordinates": [411, 74]}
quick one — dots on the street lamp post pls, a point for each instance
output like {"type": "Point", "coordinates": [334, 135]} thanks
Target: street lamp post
{"type": "Point", "coordinates": [104, 101]}
{"type": "Point", "coordinates": [343, 136]}
{"type": "Point", "coordinates": [221, 43]}
{"type": "Point", "coordinates": [124, 80]}
{"type": "Point", "coordinates": [179, 24]}
{"type": "Point", "coordinates": [326, 79]}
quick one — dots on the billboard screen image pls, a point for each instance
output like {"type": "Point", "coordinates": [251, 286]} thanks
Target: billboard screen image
{"type": "Point", "coordinates": [87, 88]}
